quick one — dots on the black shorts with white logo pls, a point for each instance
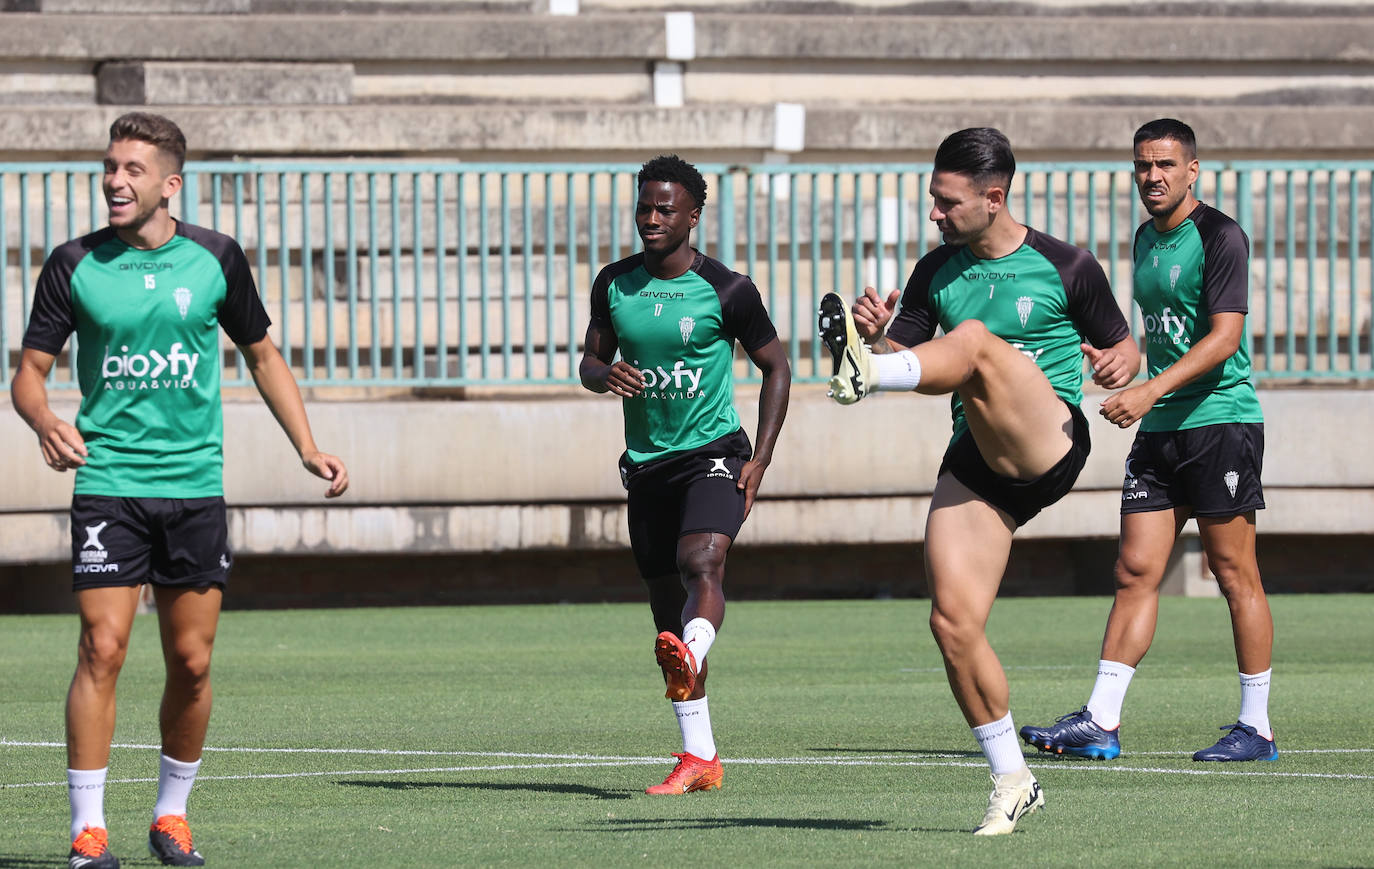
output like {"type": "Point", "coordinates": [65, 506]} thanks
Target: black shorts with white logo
{"type": "Point", "coordinates": [1020, 499]}
{"type": "Point", "coordinates": [165, 541]}
{"type": "Point", "coordinates": [691, 492]}
{"type": "Point", "coordinates": [1214, 469]}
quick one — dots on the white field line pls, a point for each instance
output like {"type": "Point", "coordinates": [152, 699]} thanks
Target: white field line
{"type": "Point", "coordinates": [574, 761]}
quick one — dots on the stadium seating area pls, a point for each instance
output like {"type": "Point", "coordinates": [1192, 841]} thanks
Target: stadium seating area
{"type": "Point", "coordinates": [866, 80]}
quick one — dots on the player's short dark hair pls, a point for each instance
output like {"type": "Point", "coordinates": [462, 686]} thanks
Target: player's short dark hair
{"type": "Point", "coordinates": [1169, 128]}
{"type": "Point", "coordinates": [675, 170]}
{"type": "Point", "coordinates": [982, 153]}
{"type": "Point", "coordinates": [162, 133]}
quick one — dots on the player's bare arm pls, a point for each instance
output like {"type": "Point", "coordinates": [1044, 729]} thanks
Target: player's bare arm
{"type": "Point", "coordinates": [599, 373]}
{"type": "Point", "coordinates": [1115, 366]}
{"type": "Point", "coordinates": [277, 385]}
{"type": "Point", "coordinates": [872, 313]}
{"type": "Point", "coordinates": [62, 445]}
{"type": "Point", "coordinates": [1128, 407]}
{"type": "Point", "coordinates": [771, 359]}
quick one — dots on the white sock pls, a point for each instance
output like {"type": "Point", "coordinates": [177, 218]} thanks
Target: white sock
{"type": "Point", "coordinates": [1000, 745]}
{"type": "Point", "coordinates": [1254, 702]}
{"type": "Point", "coordinates": [1109, 692]}
{"type": "Point", "coordinates": [694, 719]}
{"type": "Point", "coordinates": [174, 780]}
{"type": "Point", "coordinates": [895, 372]}
{"type": "Point", "coordinates": [698, 635]}
{"type": "Point", "coordinates": [86, 793]}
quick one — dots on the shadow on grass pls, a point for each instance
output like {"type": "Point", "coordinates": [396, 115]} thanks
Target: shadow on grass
{"type": "Point", "coordinates": [17, 860]}
{"type": "Point", "coordinates": [577, 790]}
{"type": "Point", "coordinates": [660, 824]}
{"type": "Point", "coordinates": [914, 752]}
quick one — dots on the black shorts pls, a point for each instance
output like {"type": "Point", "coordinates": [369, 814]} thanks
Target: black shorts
{"type": "Point", "coordinates": [165, 541]}
{"type": "Point", "coordinates": [692, 492]}
{"type": "Point", "coordinates": [1214, 469]}
{"type": "Point", "coordinates": [1021, 499]}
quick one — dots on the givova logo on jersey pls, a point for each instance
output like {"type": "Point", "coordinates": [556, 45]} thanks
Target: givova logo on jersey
{"type": "Point", "coordinates": [149, 369]}
{"type": "Point", "coordinates": [1166, 327]}
{"type": "Point", "coordinates": [670, 383]}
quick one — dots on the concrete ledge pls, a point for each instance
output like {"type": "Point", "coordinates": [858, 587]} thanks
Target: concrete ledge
{"type": "Point", "coordinates": [818, 38]}
{"type": "Point", "coordinates": [219, 84]}
{"type": "Point", "coordinates": [706, 132]}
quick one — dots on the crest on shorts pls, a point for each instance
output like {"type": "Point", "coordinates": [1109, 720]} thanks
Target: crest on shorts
{"type": "Point", "coordinates": [1231, 478]}
{"type": "Point", "coordinates": [718, 469]}
{"type": "Point", "coordinates": [1023, 308]}
{"type": "Point", "coordinates": [93, 537]}
{"type": "Point", "coordinates": [685, 326]}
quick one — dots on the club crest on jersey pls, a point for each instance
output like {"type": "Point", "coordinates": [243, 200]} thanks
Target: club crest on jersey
{"type": "Point", "coordinates": [685, 326]}
{"type": "Point", "coordinates": [1023, 308]}
{"type": "Point", "coordinates": [183, 299]}
{"type": "Point", "coordinates": [1231, 478]}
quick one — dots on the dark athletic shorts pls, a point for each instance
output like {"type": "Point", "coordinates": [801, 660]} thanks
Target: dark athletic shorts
{"type": "Point", "coordinates": [1021, 499]}
{"type": "Point", "coordinates": [165, 541]}
{"type": "Point", "coordinates": [1215, 469]}
{"type": "Point", "coordinates": [691, 492]}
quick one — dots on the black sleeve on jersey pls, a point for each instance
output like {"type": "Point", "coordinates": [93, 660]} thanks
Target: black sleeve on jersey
{"type": "Point", "coordinates": [916, 321]}
{"type": "Point", "coordinates": [601, 288]}
{"type": "Point", "coordinates": [741, 306]}
{"type": "Point", "coordinates": [242, 315]}
{"type": "Point", "coordinates": [1225, 262]}
{"type": "Point", "coordinates": [1091, 305]}
{"type": "Point", "coordinates": [52, 318]}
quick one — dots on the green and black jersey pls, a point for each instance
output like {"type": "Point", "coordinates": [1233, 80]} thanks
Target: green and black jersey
{"type": "Point", "coordinates": [680, 334]}
{"type": "Point", "coordinates": [148, 360]}
{"type": "Point", "coordinates": [1199, 268]}
{"type": "Point", "coordinates": [1044, 298]}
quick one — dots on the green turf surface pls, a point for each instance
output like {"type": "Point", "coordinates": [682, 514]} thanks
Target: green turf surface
{"type": "Point", "coordinates": [882, 769]}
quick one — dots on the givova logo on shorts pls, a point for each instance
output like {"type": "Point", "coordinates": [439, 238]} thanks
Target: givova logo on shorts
{"type": "Point", "coordinates": [149, 369]}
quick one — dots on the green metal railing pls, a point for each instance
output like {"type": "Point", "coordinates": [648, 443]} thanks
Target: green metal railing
{"type": "Point", "coordinates": [411, 274]}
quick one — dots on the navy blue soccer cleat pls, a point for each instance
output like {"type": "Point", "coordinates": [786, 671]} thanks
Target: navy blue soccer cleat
{"type": "Point", "coordinates": [1074, 734]}
{"type": "Point", "coordinates": [1241, 743]}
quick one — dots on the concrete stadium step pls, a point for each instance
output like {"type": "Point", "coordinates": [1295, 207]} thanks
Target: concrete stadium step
{"type": "Point", "coordinates": [175, 83]}
{"type": "Point", "coordinates": [703, 133]}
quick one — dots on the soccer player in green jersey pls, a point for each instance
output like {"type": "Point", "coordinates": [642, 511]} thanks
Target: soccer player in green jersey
{"type": "Point", "coordinates": [1019, 310]}
{"type": "Point", "coordinates": [146, 297]}
{"type": "Point", "coordinates": [675, 314]}
{"type": "Point", "coordinates": [1198, 452]}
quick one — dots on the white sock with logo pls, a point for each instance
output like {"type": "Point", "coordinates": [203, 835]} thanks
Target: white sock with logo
{"type": "Point", "coordinates": [895, 372]}
{"type": "Point", "coordinates": [698, 635]}
{"type": "Point", "coordinates": [1000, 745]}
{"type": "Point", "coordinates": [694, 720]}
{"type": "Point", "coordinates": [1109, 692]}
{"type": "Point", "coordinates": [174, 782]}
{"type": "Point", "coordinates": [1254, 702]}
{"type": "Point", "coordinates": [86, 793]}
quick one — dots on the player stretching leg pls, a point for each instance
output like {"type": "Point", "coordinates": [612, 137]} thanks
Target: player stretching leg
{"type": "Point", "coordinates": [674, 315]}
{"type": "Point", "coordinates": [1198, 452]}
{"type": "Point", "coordinates": [1013, 303]}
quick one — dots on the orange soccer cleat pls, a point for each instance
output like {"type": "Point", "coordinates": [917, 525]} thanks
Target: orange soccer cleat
{"type": "Point", "coordinates": [679, 666]}
{"type": "Point", "coordinates": [691, 774]}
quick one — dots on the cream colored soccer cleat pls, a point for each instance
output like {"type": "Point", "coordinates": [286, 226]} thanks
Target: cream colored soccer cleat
{"type": "Point", "coordinates": [1014, 796]}
{"type": "Point", "coordinates": [853, 373]}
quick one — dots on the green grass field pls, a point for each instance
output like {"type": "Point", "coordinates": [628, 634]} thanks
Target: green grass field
{"type": "Point", "coordinates": [525, 735]}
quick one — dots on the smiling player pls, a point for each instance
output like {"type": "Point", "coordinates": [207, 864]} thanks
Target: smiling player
{"type": "Point", "coordinates": [675, 314]}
